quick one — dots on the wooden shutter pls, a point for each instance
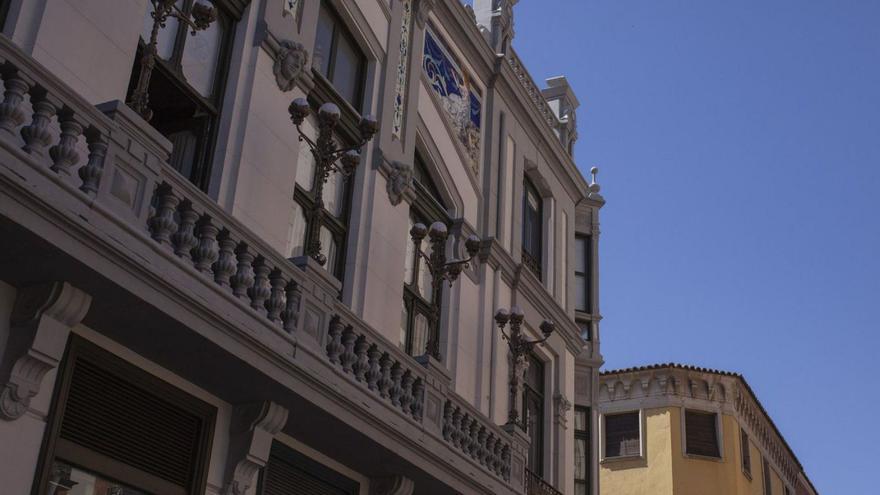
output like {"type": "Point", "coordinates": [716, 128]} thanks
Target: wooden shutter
{"type": "Point", "coordinates": [622, 435]}
{"type": "Point", "coordinates": [291, 473]}
{"type": "Point", "coordinates": [746, 451]}
{"type": "Point", "coordinates": [121, 422]}
{"type": "Point", "coordinates": [701, 432]}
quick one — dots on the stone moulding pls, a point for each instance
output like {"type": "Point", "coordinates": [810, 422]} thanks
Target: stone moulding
{"type": "Point", "coordinates": [40, 324]}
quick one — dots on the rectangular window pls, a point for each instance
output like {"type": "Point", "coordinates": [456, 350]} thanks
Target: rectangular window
{"type": "Point", "coordinates": [338, 58]}
{"type": "Point", "coordinates": [118, 429]}
{"type": "Point", "coordinates": [533, 229]}
{"type": "Point", "coordinates": [701, 433]}
{"type": "Point", "coordinates": [290, 473]}
{"type": "Point", "coordinates": [768, 482]}
{"type": "Point", "coordinates": [582, 455]}
{"type": "Point", "coordinates": [746, 452]}
{"type": "Point", "coordinates": [533, 413]}
{"type": "Point", "coordinates": [582, 262]}
{"type": "Point", "coordinates": [622, 435]}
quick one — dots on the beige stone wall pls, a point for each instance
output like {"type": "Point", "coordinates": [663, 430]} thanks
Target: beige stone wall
{"type": "Point", "coordinates": [651, 474]}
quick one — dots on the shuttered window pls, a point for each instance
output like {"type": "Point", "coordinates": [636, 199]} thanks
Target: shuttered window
{"type": "Point", "coordinates": [622, 435]}
{"type": "Point", "coordinates": [746, 452]}
{"type": "Point", "coordinates": [701, 433]}
{"type": "Point", "coordinates": [290, 473]}
{"type": "Point", "coordinates": [768, 484]}
{"type": "Point", "coordinates": [113, 421]}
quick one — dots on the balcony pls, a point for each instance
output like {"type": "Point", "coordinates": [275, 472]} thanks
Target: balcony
{"type": "Point", "coordinates": [174, 276]}
{"type": "Point", "coordinates": [535, 485]}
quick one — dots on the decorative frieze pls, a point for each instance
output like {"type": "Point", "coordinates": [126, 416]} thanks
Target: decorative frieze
{"type": "Point", "coordinates": [402, 69]}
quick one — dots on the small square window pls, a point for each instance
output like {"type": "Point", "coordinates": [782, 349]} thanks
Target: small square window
{"type": "Point", "coordinates": [701, 434]}
{"type": "Point", "coordinates": [622, 435]}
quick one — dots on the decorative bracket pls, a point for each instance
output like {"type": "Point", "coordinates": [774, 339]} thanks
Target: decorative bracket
{"type": "Point", "coordinates": [563, 405]}
{"type": "Point", "coordinates": [394, 485]}
{"type": "Point", "coordinates": [251, 431]}
{"type": "Point", "coordinates": [39, 326]}
{"type": "Point", "coordinates": [291, 59]}
{"type": "Point", "coordinates": [399, 181]}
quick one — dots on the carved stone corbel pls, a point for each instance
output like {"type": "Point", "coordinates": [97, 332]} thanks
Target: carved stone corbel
{"type": "Point", "coordinates": [290, 60]}
{"type": "Point", "coordinates": [394, 485]}
{"type": "Point", "coordinates": [251, 431]}
{"type": "Point", "coordinates": [562, 406]}
{"type": "Point", "coordinates": [399, 181]}
{"type": "Point", "coordinates": [39, 326]}
{"type": "Point", "coordinates": [423, 10]}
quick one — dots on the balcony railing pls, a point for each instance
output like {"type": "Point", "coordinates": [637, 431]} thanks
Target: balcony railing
{"type": "Point", "coordinates": [535, 485]}
{"type": "Point", "coordinates": [126, 180]}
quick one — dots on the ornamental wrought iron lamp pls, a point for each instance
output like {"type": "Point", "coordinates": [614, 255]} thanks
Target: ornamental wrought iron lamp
{"type": "Point", "coordinates": [441, 269]}
{"type": "Point", "coordinates": [520, 347]}
{"type": "Point", "coordinates": [329, 158]}
{"type": "Point", "coordinates": [202, 16]}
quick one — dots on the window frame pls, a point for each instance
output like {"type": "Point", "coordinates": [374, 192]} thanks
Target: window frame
{"type": "Point", "coordinates": [745, 446]}
{"type": "Point", "coordinates": [603, 440]}
{"type": "Point", "coordinates": [584, 436]}
{"type": "Point", "coordinates": [534, 261]}
{"type": "Point", "coordinates": [426, 205]}
{"type": "Point", "coordinates": [107, 467]}
{"type": "Point", "coordinates": [537, 392]}
{"type": "Point", "coordinates": [587, 239]}
{"type": "Point", "coordinates": [360, 70]}
{"type": "Point", "coordinates": [209, 108]}
{"type": "Point", "coordinates": [718, 442]}
{"type": "Point", "coordinates": [767, 476]}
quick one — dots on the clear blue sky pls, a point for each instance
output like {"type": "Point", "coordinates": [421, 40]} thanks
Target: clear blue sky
{"type": "Point", "coordinates": [739, 149]}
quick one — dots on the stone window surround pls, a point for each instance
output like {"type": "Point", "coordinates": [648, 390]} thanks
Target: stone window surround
{"type": "Point", "coordinates": [719, 432]}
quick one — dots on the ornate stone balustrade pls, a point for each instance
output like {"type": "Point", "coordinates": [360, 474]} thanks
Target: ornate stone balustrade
{"type": "Point", "coordinates": [468, 431]}
{"type": "Point", "coordinates": [49, 122]}
{"type": "Point", "coordinates": [532, 89]}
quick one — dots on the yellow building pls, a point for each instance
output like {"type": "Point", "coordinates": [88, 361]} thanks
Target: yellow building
{"type": "Point", "coordinates": [680, 430]}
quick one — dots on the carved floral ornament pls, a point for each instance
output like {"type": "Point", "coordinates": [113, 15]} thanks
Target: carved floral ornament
{"type": "Point", "coordinates": [291, 59]}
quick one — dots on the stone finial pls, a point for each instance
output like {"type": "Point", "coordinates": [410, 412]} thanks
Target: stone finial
{"type": "Point", "coordinates": [594, 187]}
{"type": "Point", "coordinates": [251, 430]}
{"type": "Point", "coordinates": [40, 324]}
{"type": "Point", "coordinates": [496, 16]}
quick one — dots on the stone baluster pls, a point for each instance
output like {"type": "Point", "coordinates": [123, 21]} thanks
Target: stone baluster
{"type": "Point", "coordinates": [224, 267]}
{"type": "Point", "coordinates": [183, 240]}
{"type": "Point", "coordinates": [480, 453]}
{"type": "Point", "coordinates": [260, 291]}
{"type": "Point", "coordinates": [385, 382]}
{"type": "Point", "coordinates": [64, 154]}
{"type": "Point", "coordinates": [11, 113]}
{"type": "Point", "coordinates": [162, 224]}
{"type": "Point", "coordinates": [497, 464]}
{"type": "Point", "coordinates": [489, 451]}
{"type": "Point", "coordinates": [37, 135]}
{"type": "Point", "coordinates": [292, 297]}
{"type": "Point", "coordinates": [466, 442]}
{"type": "Point", "coordinates": [447, 421]}
{"type": "Point", "coordinates": [406, 396]}
{"type": "Point", "coordinates": [456, 427]}
{"type": "Point", "coordinates": [418, 404]}
{"type": "Point", "coordinates": [505, 463]}
{"type": "Point", "coordinates": [348, 356]}
{"type": "Point", "coordinates": [396, 389]}
{"type": "Point", "coordinates": [361, 362]}
{"type": "Point", "coordinates": [205, 252]}
{"type": "Point", "coordinates": [91, 172]}
{"type": "Point", "coordinates": [374, 372]}
{"type": "Point", "coordinates": [276, 302]}
{"type": "Point", "coordinates": [474, 439]}
{"type": "Point", "coordinates": [244, 272]}
{"type": "Point", "coordinates": [334, 339]}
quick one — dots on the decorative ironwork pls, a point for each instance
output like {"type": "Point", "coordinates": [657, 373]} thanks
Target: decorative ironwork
{"type": "Point", "coordinates": [441, 269]}
{"type": "Point", "coordinates": [329, 158]}
{"type": "Point", "coordinates": [535, 485]}
{"type": "Point", "coordinates": [203, 15]}
{"type": "Point", "coordinates": [520, 347]}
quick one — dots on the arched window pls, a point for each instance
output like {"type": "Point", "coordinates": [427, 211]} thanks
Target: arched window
{"type": "Point", "coordinates": [417, 322]}
{"type": "Point", "coordinates": [532, 227]}
{"type": "Point", "coordinates": [186, 87]}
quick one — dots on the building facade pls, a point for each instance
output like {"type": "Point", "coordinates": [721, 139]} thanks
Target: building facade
{"type": "Point", "coordinates": [673, 429]}
{"type": "Point", "coordinates": [162, 329]}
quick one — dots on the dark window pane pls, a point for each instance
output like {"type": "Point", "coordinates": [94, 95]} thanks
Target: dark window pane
{"type": "Point", "coordinates": [746, 452]}
{"type": "Point", "coordinates": [702, 437]}
{"type": "Point", "coordinates": [622, 435]}
{"type": "Point", "coordinates": [324, 42]}
{"type": "Point", "coordinates": [347, 70]}
{"type": "Point", "coordinates": [201, 56]}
